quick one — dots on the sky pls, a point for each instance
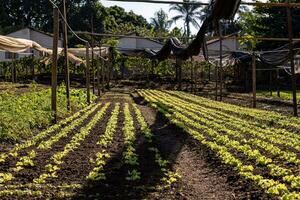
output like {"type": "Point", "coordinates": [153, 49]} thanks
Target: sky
{"type": "Point", "coordinates": [147, 10]}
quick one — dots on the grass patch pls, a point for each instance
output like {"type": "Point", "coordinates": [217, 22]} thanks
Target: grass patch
{"type": "Point", "coordinates": [21, 115]}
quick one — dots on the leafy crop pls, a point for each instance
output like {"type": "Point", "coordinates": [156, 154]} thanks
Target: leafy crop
{"type": "Point", "coordinates": [230, 132]}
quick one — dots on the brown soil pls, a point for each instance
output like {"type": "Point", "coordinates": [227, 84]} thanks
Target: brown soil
{"type": "Point", "coordinates": [203, 176]}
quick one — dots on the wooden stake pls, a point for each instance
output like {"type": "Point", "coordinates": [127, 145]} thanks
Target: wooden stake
{"type": "Point", "coordinates": [54, 63]}
{"type": "Point", "coordinates": [88, 73]}
{"type": "Point", "coordinates": [291, 48]}
{"type": "Point", "coordinates": [67, 69]}
{"type": "Point", "coordinates": [254, 80]}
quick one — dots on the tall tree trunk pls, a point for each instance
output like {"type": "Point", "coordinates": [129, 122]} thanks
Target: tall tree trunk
{"type": "Point", "coordinates": [188, 30]}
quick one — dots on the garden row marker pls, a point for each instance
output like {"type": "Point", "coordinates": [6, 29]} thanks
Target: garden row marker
{"type": "Point", "coordinates": [54, 63]}
{"type": "Point", "coordinates": [67, 69]}
{"type": "Point", "coordinates": [291, 48]}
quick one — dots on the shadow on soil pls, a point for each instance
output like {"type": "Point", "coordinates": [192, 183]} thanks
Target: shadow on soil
{"type": "Point", "coordinates": [170, 140]}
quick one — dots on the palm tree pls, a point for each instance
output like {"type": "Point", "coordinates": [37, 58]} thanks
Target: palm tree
{"type": "Point", "coordinates": [189, 13]}
{"type": "Point", "coordinates": [160, 21]}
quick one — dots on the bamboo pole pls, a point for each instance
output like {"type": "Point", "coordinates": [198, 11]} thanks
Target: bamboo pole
{"type": "Point", "coordinates": [54, 64]}
{"type": "Point", "coordinates": [67, 69]}
{"type": "Point", "coordinates": [88, 73]}
{"type": "Point", "coordinates": [291, 54]}
{"type": "Point", "coordinates": [254, 80]}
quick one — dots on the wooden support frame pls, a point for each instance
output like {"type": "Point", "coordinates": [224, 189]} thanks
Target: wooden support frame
{"type": "Point", "coordinates": [260, 4]}
{"type": "Point", "coordinates": [54, 64]}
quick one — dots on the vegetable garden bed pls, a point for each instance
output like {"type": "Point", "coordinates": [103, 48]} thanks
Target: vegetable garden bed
{"type": "Point", "coordinates": [120, 148]}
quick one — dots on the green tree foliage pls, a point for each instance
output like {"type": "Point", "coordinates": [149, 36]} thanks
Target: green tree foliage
{"type": "Point", "coordinates": [16, 14]}
{"type": "Point", "coordinates": [191, 14]}
{"type": "Point", "coordinates": [117, 16]}
{"type": "Point", "coordinates": [161, 21]}
{"type": "Point", "coordinates": [269, 22]}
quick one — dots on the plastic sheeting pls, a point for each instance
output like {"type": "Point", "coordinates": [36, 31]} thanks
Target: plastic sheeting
{"type": "Point", "coordinates": [217, 10]}
{"type": "Point", "coordinates": [99, 52]}
{"type": "Point", "coordinates": [18, 45]}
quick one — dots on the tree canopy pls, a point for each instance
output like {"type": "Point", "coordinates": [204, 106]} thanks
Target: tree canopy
{"type": "Point", "coordinates": [16, 14]}
{"type": "Point", "coordinates": [269, 22]}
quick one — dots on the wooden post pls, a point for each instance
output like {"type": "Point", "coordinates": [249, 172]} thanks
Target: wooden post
{"type": "Point", "coordinates": [54, 64]}
{"type": "Point", "coordinates": [254, 79]}
{"type": "Point", "coordinates": [98, 74]}
{"type": "Point", "coordinates": [109, 65]}
{"type": "Point", "coordinates": [221, 60]}
{"type": "Point", "coordinates": [93, 67]}
{"type": "Point", "coordinates": [217, 79]}
{"type": "Point", "coordinates": [270, 82]}
{"type": "Point", "coordinates": [209, 72]}
{"type": "Point", "coordinates": [67, 69]}
{"type": "Point", "coordinates": [291, 55]}
{"type": "Point", "coordinates": [277, 83]}
{"type": "Point", "coordinates": [88, 95]}
{"type": "Point", "coordinates": [179, 67]}
{"type": "Point", "coordinates": [13, 68]}
{"type": "Point", "coordinates": [103, 63]}
{"type": "Point", "coordinates": [32, 57]}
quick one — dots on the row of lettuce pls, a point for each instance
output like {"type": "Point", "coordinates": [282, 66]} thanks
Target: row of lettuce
{"type": "Point", "coordinates": [251, 141]}
{"type": "Point", "coordinates": [83, 122]}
